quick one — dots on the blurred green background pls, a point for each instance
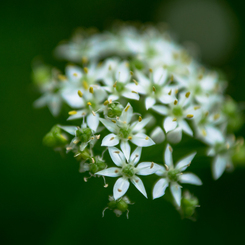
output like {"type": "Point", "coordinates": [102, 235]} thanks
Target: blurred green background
{"type": "Point", "coordinates": [44, 199]}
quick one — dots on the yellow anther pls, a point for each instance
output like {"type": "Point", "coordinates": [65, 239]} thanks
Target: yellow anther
{"type": "Point", "coordinates": [206, 114]}
{"type": "Point", "coordinates": [91, 90]}
{"type": "Point", "coordinates": [112, 138]}
{"type": "Point", "coordinates": [153, 89]}
{"type": "Point", "coordinates": [85, 70]}
{"type": "Point", "coordinates": [175, 102]}
{"type": "Point", "coordinates": [106, 102]}
{"type": "Point", "coordinates": [106, 185]}
{"type": "Point", "coordinates": [114, 121]}
{"type": "Point", "coordinates": [187, 94]}
{"type": "Point", "coordinates": [127, 64]}
{"type": "Point", "coordinates": [200, 77]}
{"type": "Point", "coordinates": [93, 113]}
{"type": "Point", "coordinates": [170, 92]}
{"type": "Point", "coordinates": [134, 92]}
{"type": "Point", "coordinates": [170, 148]}
{"type": "Point", "coordinates": [189, 116]}
{"type": "Point", "coordinates": [150, 70]}
{"type": "Point", "coordinates": [116, 171]}
{"type": "Point", "coordinates": [152, 165]}
{"type": "Point", "coordinates": [92, 138]}
{"type": "Point", "coordinates": [93, 160]}
{"type": "Point", "coordinates": [80, 94]}
{"type": "Point", "coordinates": [126, 109]}
{"type": "Point", "coordinates": [117, 152]}
{"type": "Point", "coordinates": [165, 66]}
{"type": "Point", "coordinates": [129, 137]}
{"type": "Point", "coordinates": [68, 148]}
{"type": "Point", "coordinates": [175, 119]}
{"type": "Point", "coordinates": [131, 73]}
{"type": "Point", "coordinates": [172, 78]}
{"type": "Point", "coordinates": [84, 60]}
{"type": "Point", "coordinates": [166, 166]}
{"type": "Point", "coordinates": [75, 141]}
{"type": "Point", "coordinates": [72, 112]}
{"type": "Point", "coordinates": [119, 190]}
{"type": "Point", "coordinates": [197, 107]}
{"type": "Point", "coordinates": [227, 146]}
{"type": "Point", "coordinates": [136, 83]}
{"type": "Point", "coordinates": [62, 77]}
{"type": "Point", "coordinates": [136, 155]}
{"type": "Point", "coordinates": [89, 103]}
{"type": "Point", "coordinates": [83, 114]}
{"type": "Point", "coordinates": [75, 74]}
{"type": "Point", "coordinates": [97, 136]}
{"type": "Point", "coordinates": [124, 122]}
{"type": "Point", "coordinates": [115, 84]}
{"type": "Point", "coordinates": [176, 91]}
{"type": "Point", "coordinates": [216, 116]}
{"type": "Point", "coordinates": [204, 133]}
{"type": "Point", "coordinates": [85, 84]}
{"type": "Point", "coordinates": [140, 118]}
{"type": "Point", "coordinates": [137, 180]}
{"type": "Point", "coordinates": [146, 138]}
{"type": "Point", "coordinates": [109, 68]}
{"type": "Point", "coordinates": [110, 101]}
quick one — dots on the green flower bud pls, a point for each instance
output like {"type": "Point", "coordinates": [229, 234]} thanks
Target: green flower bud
{"type": "Point", "coordinates": [41, 74]}
{"type": "Point", "coordinates": [114, 110]}
{"type": "Point", "coordinates": [188, 205]}
{"type": "Point", "coordinates": [83, 155]}
{"type": "Point", "coordinates": [84, 134]}
{"type": "Point", "coordinates": [136, 64]}
{"type": "Point", "coordinates": [97, 164]}
{"type": "Point", "coordinates": [55, 138]}
{"type": "Point", "coordinates": [238, 158]}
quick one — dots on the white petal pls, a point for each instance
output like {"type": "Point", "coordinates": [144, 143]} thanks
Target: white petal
{"type": "Point", "coordinates": [147, 168]}
{"type": "Point", "coordinates": [139, 185]}
{"type": "Point", "coordinates": [41, 102]}
{"type": "Point", "coordinates": [120, 188]}
{"type": "Point", "coordinates": [117, 158]}
{"type": "Point", "coordinates": [130, 95]}
{"type": "Point", "coordinates": [122, 73]}
{"type": "Point", "coordinates": [93, 121]}
{"type": "Point", "coordinates": [113, 97]}
{"type": "Point", "coordinates": [142, 79]}
{"type": "Point", "coordinates": [159, 188]}
{"type": "Point", "coordinates": [190, 178]}
{"type": "Point", "coordinates": [142, 140]}
{"type": "Point", "coordinates": [176, 192]}
{"type": "Point", "coordinates": [69, 129]}
{"type": "Point", "coordinates": [135, 156]}
{"type": "Point", "coordinates": [175, 135]}
{"type": "Point", "coordinates": [149, 102]}
{"type": "Point", "coordinates": [109, 125]}
{"type": "Point", "coordinates": [159, 76]}
{"type": "Point", "coordinates": [185, 127]}
{"type": "Point", "coordinates": [167, 99]}
{"type": "Point", "coordinates": [163, 110]}
{"type": "Point", "coordinates": [138, 88]}
{"type": "Point", "coordinates": [110, 140]}
{"type": "Point", "coordinates": [168, 159]}
{"type": "Point", "coordinates": [54, 105]}
{"type": "Point", "coordinates": [219, 166]}
{"type": "Point", "coordinates": [83, 146]}
{"type": "Point", "coordinates": [79, 114]}
{"type": "Point", "coordinates": [110, 172]}
{"type": "Point", "coordinates": [169, 124]}
{"type": "Point", "coordinates": [213, 135]}
{"type": "Point", "coordinates": [127, 115]}
{"type": "Point", "coordinates": [125, 147]}
{"type": "Point", "coordinates": [137, 126]}
{"type": "Point", "coordinates": [158, 135]}
{"type": "Point", "coordinates": [72, 99]}
{"type": "Point", "coordinates": [183, 164]}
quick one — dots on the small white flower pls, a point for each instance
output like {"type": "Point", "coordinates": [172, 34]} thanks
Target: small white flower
{"type": "Point", "coordinates": [128, 171]}
{"type": "Point", "coordinates": [123, 131]}
{"type": "Point", "coordinates": [172, 175]}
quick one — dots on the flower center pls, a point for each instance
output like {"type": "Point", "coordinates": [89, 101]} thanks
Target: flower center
{"type": "Point", "coordinates": [84, 134]}
{"type": "Point", "coordinates": [124, 133]}
{"type": "Point", "coordinates": [177, 111]}
{"type": "Point", "coordinates": [119, 87]}
{"type": "Point", "coordinates": [114, 110]}
{"type": "Point", "coordinates": [173, 175]}
{"type": "Point", "coordinates": [128, 171]}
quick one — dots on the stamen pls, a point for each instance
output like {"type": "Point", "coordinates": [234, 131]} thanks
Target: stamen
{"type": "Point", "coordinates": [62, 77]}
{"type": "Point", "coordinates": [109, 68]}
{"type": "Point", "coordinates": [206, 114]}
{"type": "Point", "coordinates": [170, 92]}
{"type": "Point", "coordinates": [75, 141]}
{"type": "Point", "coordinates": [190, 116]}
{"type": "Point", "coordinates": [112, 138]}
{"type": "Point", "coordinates": [172, 78]}
{"type": "Point", "coordinates": [119, 190]}
{"type": "Point", "coordinates": [93, 113]}
{"type": "Point", "coordinates": [153, 89]}
{"type": "Point", "coordinates": [134, 92]}
{"type": "Point", "coordinates": [197, 107]}
{"type": "Point", "coordinates": [137, 180]}
{"type": "Point", "coordinates": [72, 112]}
{"type": "Point", "coordinates": [115, 84]}
{"type": "Point", "coordinates": [200, 77]}
{"type": "Point", "coordinates": [176, 91]}
{"type": "Point", "coordinates": [75, 74]}
{"type": "Point", "coordinates": [175, 102]}
{"type": "Point", "coordinates": [140, 118]}
{"type": "Point", "coordinates": [85, 179]}
{"type": "Point", "coordinates": [216, 116]}
{"type": "Point", "coordinates": [85, 70]}
{"type": "Point", "coordinates": [146, 138]}
{"type": "Point", "coordinates": [91, 90]}
{"type": "Point", "coordinates": [150, 70]}
{"type": "Point", "coordinates": [68, 148]}
{"type": "Point", "coordinates": [97, 136]}
{"type": "Point", "coordinates": [170, 148]}
{"type": "Point", "coordinates": [84, 60]}
{"type": "Point", "coordinates": [152, 165]}
{"type": "Point", "coordinates": [129, 137]}
{"type": "Point", "coordinates": [110, 101]}
{"type": "Point", "coordinates": [204, 133]}
{"type": "Point", "coordinates": [136, 83]}
{"type": "Point", "coordinates": [116, 171]}
{"type": "Point", "coordinates": [187, 94]}
{"type": "Point", "coordinates": [106, 185]}
{"type": "Point", "coordinates": [80, 94]}
{"type": "Point", "coordinates": [89, 103]}
{"type": "Point", "coordinates": [227, 146]}
{"type": "Point", "coordinates": [93, 160]}
{"type": "Point", "coordinates": [118, 152]}
{"type": "Point", "coordinates": [131, 73]}
{"type": "Point", "coordinates": [175, 119]}
{"type": "Point", "coordinates": [85, 84]}
{"type": "Point", "coordinates": [126, 109]}
{"type": "Point", "coordinates": [106, 102]}
{"type": "Point", "coordinates": [166, 166]}
{"type": "Point", "coordinates": [114, 121]}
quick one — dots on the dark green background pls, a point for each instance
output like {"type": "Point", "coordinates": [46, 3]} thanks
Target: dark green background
{"type": "Point", "coordinates": [44, 199]}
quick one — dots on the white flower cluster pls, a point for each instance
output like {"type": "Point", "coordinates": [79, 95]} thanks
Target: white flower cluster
{"type": "Point", "coordinates": [135, 88]}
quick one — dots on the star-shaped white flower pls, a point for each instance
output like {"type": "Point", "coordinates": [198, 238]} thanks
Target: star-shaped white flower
{"type": "Point", "coordinates": [128, 171]}
{"type": "Point", "coordinates": [123, 131]}
{"type": "Point", "coordinates": [172, 175]}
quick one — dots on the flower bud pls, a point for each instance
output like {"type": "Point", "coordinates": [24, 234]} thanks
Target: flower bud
{"type": "Point", "coordinates": [41, 74]}
{"type": "Point", "coordinates": [114, 110]}
{"type": "Point", "coordinates": [84, 134]}
{"type": "Point", "coordinates": [55, 138]}
{"type": "Point", "coordinates": [188, 205]}
{"type": "Point", "coordinates": [96, 164]}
